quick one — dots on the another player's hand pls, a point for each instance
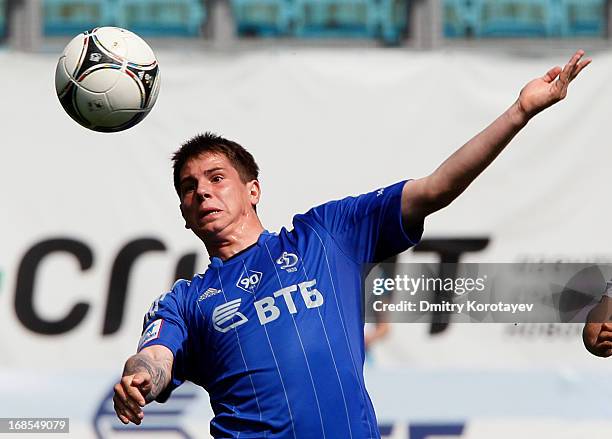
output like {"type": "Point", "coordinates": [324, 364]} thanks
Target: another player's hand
{"type": "Point", "coordinates": [130, 395]}
{"type": "Point", "coordinates": [543, 92]}
{"type": "Point", "coordinates": [598, 339]}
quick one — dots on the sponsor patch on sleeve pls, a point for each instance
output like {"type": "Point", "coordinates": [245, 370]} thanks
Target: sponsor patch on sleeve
{"type": "Point", "coordinates": [151, 333]}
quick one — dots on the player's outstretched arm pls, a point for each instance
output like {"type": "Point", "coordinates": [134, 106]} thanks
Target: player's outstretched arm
{"type": "Point", "coordinates": [597, 333]}
{"type": "Point", "coordinates": [426, 195]}
{"type": "Point", "coordinates": [145, 376]}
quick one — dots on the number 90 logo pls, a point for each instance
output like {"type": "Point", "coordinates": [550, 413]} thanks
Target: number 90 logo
{"type": "Point", "coordinates": [249, 281]}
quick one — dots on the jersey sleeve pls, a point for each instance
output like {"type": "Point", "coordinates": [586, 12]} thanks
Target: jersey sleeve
{"type": "Point", "coordinates": [164, 324]}
{"type": "Point", "coordinates": [368, 227]}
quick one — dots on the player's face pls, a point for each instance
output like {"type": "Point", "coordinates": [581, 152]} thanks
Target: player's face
{"type": "Point", "coordinates": [214, 200]}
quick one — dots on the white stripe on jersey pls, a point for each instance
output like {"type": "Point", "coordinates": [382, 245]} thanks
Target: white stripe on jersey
{"type": "Point", "coordinates": [241, 353]}
{"type": "Point", "coordinates": [301, 343]}
{"type": "Point", "coordinates": [363, 391]}
{"type": "Point", "coordinates": [278, 370]}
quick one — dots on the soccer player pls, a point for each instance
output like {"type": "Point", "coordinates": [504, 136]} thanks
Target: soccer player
{"type": "Point", "coordinates": [597, 333]}
{"type": "Point", "coordinates": [273, 329]}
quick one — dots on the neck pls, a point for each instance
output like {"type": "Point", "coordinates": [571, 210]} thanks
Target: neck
{"type": "Point", "coordinates": [226, 246]}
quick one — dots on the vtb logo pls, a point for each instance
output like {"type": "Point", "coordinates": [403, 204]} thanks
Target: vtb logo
{"type": "Point", "coordinates": [227, 316]}
{"type": "Point", "coordinates": [268, 311]}
{"type": "Point", "coordinates": [249, 280]}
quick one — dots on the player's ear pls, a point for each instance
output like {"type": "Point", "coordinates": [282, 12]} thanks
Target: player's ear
{"type": "Point", "coordinates": [254, 192]}
{"type": "Point", "coordinates": [183, 215]}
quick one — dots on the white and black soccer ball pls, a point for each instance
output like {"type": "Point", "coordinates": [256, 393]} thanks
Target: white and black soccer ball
{"type": "Point", "coordinates": [107, 79]}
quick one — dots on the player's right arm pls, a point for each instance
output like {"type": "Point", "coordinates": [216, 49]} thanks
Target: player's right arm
{"type": "Point", "coordinates": [145, 376]}
{"type": "Point", "coordinates": [158, 366]}
{"type": "Point", "coordinates": [597, 333]}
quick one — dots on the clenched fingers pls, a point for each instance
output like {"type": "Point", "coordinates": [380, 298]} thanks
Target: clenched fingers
{"type": "Point", "coordinates": [125, 412]}
{"type": "Point", "coordinates": [125, 405]}
{"type": "Point", "coordinates": [130, 385]}
{"type": "Point", "coordinates": [141, 385]}
{"type": "Point", "coordinates": [135, 397]}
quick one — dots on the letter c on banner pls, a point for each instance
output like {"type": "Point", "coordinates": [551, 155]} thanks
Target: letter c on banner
{"type": "Point", "coordinates": [26, 277]}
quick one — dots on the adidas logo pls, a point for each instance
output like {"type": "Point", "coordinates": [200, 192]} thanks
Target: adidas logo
{"type": "Point", "coordinates": [208, 293]}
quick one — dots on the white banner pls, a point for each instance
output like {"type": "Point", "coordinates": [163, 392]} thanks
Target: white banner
{"type": "Point", "coordinates": [91, 231]}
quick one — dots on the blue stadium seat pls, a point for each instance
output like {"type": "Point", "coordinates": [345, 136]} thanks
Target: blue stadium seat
{"type": "Point", "coordinates": [336, 18]}
{"type": "Point", "coordinates": [2, 18]}
{"type": "Point", "coordinates": [384, 19]}
{"type": "Point", "coordinates": [515, 18]}
{"type": "Point", "coordinates": [263, 17]}
{"type": "Point", "coordinates": [68, 17]}
{"type": "Point", "coordinates": [582, 18]}
{"type": "Point", "coordinates": [524, 18]}
{"type": "Point", "coordinates": [461, 18]}
{"type": "Point", "coordinates": [161, 17]}
{"type": "Point", "coordinates": [393, 20]}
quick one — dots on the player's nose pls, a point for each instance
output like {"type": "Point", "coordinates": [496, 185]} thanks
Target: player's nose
{"type": "Point", "coordinates": [203, 192]}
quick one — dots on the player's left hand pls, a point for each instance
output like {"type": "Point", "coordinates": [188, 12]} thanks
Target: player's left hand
{"type": "Point", "coordinates": [543, 92]}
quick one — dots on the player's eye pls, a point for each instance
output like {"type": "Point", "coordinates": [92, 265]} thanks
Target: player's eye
{"type": "Point", "coordinates": [217, 178]}
{"type": "Point", "coordinates": [187, 189]}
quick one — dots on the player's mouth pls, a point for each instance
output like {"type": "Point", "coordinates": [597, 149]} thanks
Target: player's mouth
{"type": "Point", "coordinates": [209, 213]}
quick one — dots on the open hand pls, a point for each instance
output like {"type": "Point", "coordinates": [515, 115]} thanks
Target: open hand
{"type": "Point", "coordinates": [543, 92]}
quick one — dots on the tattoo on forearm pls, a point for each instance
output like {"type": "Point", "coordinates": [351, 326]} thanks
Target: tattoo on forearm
{"type": "Point", "coordinates": [159, 377]}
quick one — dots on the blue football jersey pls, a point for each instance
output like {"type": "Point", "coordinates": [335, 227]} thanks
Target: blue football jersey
{"type": "Point", "coordinates": [275, 333]}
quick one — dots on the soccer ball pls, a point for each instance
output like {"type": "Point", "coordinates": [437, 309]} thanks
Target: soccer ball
{"type": "Point", "coordinates": [107, 79]}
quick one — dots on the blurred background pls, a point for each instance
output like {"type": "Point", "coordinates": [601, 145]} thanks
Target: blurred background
{"type": "Point", "coordinates": [333, 98]}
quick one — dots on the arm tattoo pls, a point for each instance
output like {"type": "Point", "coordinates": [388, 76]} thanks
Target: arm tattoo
{"type": "Point", "coordinates": [157, 370]}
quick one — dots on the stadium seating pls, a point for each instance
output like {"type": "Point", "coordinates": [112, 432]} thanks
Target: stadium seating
{"type": "Point", "coordinates": [146, 17]}
{"type": "Point", "coordinates": [384, 19]}
{"type": "Point", "coordinates": [460, 18]}
{"type": "Point", "coordinates": [68, 17]}
{"type": "Point", "coordinates": [2, 18]}
{"type": "Point", "coordinates": [514, 18]}
{"type": "Point", "coordinates": [160, 17]}
{"type": "Point", "coordinates": [496, 18]}
{"type": "Point", "coordinates": [393, 20]}
{"type": "Point", "coordinates": [263, 17]}
{"type": "Point", "coordinates": [583, 18]}
{"type": "Point", "coordinates": [325, 18]}
{"type": "Point", "coordinates": [523, 18]}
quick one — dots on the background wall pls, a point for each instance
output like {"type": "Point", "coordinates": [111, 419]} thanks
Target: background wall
{"type": "Point", "coordinates": [322, 124]}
